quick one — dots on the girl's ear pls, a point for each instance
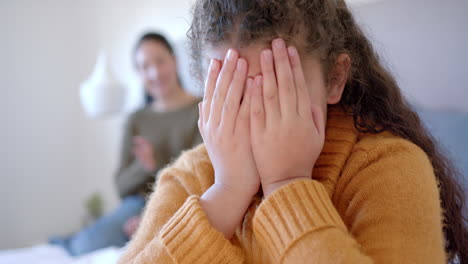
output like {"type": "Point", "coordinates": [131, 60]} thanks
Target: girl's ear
{"type": "Point", "coordinates": [337, 78]}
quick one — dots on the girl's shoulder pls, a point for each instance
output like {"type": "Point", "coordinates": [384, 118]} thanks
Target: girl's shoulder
{"type": "Point", "coordinates": [386, 142]}
{"type": "Point", "coordinates": [193, 159]}
{"type": "Point", "coordinates": [192, 170]}
{"type": "Point", "coordinates": [391, 158]}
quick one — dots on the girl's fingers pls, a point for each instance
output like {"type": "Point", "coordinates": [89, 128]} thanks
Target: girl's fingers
{"type": "Point", "coordinates": [270, 87]}
{"type": "Point", "coordinates": [257, 111]}
{"type": "Point", "coordinates": [222, 86]}
{"type": "Point", "coordinates": [233, 98]}
{"type": "Point", "coordinates": [286, 87]}
{"type": "Point", "coordinates": [210, 84]}
{"type": "Point", "coordinates": [317, 116]}
{"type": "Point", "coordinates": [243, 118]}
{"type": "Point", "coordinates": [303, 100]}
{"type": "Point", "coordinates": [200, 120]}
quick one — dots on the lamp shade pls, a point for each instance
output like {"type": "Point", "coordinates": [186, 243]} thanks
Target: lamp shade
{"type": "Point", "coordinates": [101, 94]}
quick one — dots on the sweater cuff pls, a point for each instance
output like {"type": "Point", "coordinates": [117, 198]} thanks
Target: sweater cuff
{"type": "Point", "coordinates": [189, 237]}
{"type": "Point", "coordinates": [291, 212]}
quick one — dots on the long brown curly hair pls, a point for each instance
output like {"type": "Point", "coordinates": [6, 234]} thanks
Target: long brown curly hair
{"type": "Point", "coordinates": [371, 95]}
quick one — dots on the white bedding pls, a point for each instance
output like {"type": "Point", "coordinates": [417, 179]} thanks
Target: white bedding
{"type": "Point", "coordinates": [47, 254]}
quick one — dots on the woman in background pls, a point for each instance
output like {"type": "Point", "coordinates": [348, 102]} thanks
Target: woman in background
{"type": "Point", "coordinates": [153, 136]}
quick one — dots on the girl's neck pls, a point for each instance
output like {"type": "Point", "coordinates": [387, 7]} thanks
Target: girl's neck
{"type": "Point", "coordinates": [174, 100]}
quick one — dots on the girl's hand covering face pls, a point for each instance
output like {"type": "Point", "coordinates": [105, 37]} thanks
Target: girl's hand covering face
{"type": "Point", "coordinates": [273, 135]}
{"type": "Point", "coordinates": [287, 131]}
{"type": "Point", "coordinates": [225, 126]}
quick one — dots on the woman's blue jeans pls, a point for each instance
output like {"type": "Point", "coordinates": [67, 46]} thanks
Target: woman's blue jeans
{"type": "Point", "coordinates": [106, 231]}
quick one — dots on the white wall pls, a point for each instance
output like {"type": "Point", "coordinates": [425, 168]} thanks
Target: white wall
{"type": "Point", "coordinates": [52, 157]}
{"type": "Point", "coordinates": [425, 43]}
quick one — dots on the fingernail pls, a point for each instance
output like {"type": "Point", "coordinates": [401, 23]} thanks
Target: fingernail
{"type": "Point", "coordinates": [213, 64]}
{"type": "Point", "coordinates": [292, 51]}
{"type": "Point", "coordinates": [267, 55]}
{"type": "Point", "coordinates": [258, 80]}
{"type": "Point", "coordinates": [249, 83]}
{"type": "Point", "coordinates": [230, 55]}
{"type": "Point", "coordinates": [240, 65]}
{"type": "Point", "coordinates": [210, 68]}
{"type": "Point", "coordinates": [279, 43]}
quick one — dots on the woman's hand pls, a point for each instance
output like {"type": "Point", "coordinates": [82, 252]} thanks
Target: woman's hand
{"type": "Point", "coordinates": [143, 151]}
{"type": "Point", "coordinates": [287, 130]}
{"type": "Point", "coordinates": [225, 127]}
{"type": "Point", "coordinates": [131, 225]}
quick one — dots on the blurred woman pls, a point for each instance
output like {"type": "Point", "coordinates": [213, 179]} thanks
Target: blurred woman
{"type": "Point", "coordinates": [153, 135]}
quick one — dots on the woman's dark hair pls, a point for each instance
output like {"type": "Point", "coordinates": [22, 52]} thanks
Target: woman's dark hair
{"type": "Point", "coordinates": [372, 96]}
{"type": "Point", "coordinates": [156, 37]}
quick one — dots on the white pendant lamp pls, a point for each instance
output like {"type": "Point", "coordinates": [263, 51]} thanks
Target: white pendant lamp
{"type": "Point", "coordinates": [102, 95]}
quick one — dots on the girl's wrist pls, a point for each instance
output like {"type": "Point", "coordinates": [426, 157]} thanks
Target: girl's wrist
{"type": "Point", "coordinates": [224, 208]}
{"type": "Point", "coordinates": [271, 187]}
{"type": "Point", "coordinates": [241, 192]}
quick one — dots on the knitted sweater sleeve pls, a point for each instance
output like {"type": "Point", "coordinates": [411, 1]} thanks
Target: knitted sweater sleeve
{"type": "Point", "coordinates": [174, 227]}
{"type": "Point", "coordinates": [385, 209]}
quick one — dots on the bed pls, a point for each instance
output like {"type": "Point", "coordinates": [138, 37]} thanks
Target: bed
{"type": "Point", "coordinates": [47, 254]}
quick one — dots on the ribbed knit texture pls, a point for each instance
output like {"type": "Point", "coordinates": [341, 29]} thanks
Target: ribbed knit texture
{"type": "Point", "coordinates": [180, 238]}
{"type": "Point", "coordinates": [295, 210]}
{"type": "Point", "coordinates": [371, 199]}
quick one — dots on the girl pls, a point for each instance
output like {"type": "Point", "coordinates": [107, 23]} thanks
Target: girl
{"type": "Point", "coordinates": [311, 154]}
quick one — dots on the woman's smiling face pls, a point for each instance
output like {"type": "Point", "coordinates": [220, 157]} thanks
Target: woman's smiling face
{"type": "Point", "coordinates": [156, 67]}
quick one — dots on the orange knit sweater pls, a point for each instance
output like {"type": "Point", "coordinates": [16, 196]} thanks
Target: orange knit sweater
{"type": "Point", "coordinates": [371, 199]}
